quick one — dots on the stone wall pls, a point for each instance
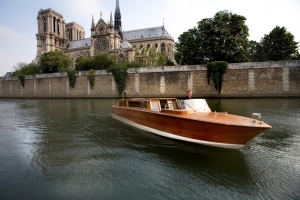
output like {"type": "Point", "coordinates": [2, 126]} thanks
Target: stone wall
{"type": "Point", "coordinates": [262, 79]}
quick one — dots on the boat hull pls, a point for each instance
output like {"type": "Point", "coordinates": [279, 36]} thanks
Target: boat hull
{"type": "Point", "coordinates": [190, 129]}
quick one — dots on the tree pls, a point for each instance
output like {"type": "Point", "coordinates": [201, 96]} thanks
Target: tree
{"type": "Point", "coordinates": [103, 61]}
{"type": "Point", "coordinates": [188, 48]}
{"type": "Point", "coordinates": [150, 57]}
{"type": "Point", "coordinates": [256, 53]}
{"type": "Point", "coordinates": [83, 64]}
{"type": "Point", "coordinates": [223, 37]}
{"type": "Point", "coordinates": [279, 44]}
{"type": "Point", "coordinates": [24, 69]}
{"type": "Point", "coordinates": [55, 61]}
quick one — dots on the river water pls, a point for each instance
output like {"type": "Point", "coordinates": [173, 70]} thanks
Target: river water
{"type": "Point", "coordinates": [74, 149]}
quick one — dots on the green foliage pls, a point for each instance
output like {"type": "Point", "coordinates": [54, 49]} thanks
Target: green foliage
{"type": "Point", "coordinates": [215, 71]}
{"type": "Point", "coordinates": [279, 45]}
{"type": "Point", "coordinates": [91, 77]}
{"type": "Point", "coordinates": [98, 62]}
{"type": "Point", "coordinates": [24, 69]}
{"type": "Point", "coordinates": [22, 79]}
{"type": "Point", "coordinates": [55, 61]}
{"type": "Point", "coordinates": [188, 49]}
{"type": "Point", "coordinates": [169, 63]}
{"type": "Point", "coordinates": [296, 56]}
{"type": "Point", "coordinates": [223, 37]}
{"type": "Point", "coordinates": [72, 78]}
{"type": "Point", "coordinates": [83, 64]}
{"type": "Point", "coordinates": [149, 57]}
{"type": "Point", "coordinates": [256, 53]}
{"type": "Point", "coordinates": [103, 61]}
{"type": "Point", "coordinates": [129, 64]}
{"type": "Point", "coordinates": [120, 76]}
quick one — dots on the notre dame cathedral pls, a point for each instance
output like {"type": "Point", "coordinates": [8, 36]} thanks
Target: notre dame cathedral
{"type": "Point", "coordinates": [54, 34]}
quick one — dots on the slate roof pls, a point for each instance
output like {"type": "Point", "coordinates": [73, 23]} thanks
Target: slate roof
{"type": "Point", "coordinates": [146, 33]}
{"type": "Point", "coordinates": [79, 43]}
{"type": "Point", "coordinates": [126, 45]}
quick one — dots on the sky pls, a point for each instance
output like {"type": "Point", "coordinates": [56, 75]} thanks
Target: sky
{"type": "Point", "coordinates": [18, 19]}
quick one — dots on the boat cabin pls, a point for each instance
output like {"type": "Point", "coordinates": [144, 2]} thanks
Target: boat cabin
{"type": "Point", "coordinates": [165, 104]}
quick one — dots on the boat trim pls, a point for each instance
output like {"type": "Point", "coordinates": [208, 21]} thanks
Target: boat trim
{"type": "Point", "coordinates": [169, 135]}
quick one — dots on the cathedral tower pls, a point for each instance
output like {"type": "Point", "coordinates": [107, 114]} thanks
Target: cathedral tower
{"type": "Point", "coordinates": [118, 22]}
{"type": "Point", "coordinates": [51, 34]}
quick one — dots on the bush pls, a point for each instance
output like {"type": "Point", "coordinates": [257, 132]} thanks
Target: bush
{"type": "Point", "coordinates": [55, 61]}
{"type": "Point", "coordinates": [25, 69]}
{"type": "Point", "coordinates": [103, 61]}
{"type": "Point", "coordinates": [120, 75]}
{"type": "Point", "coordinates": [215, 71]}
{"type": "Point", "coordinates": [72, 78]}
{"type": "Point", "coordinates": [91, 77]}
{"type": "Point", "coordinates": [83, 64]}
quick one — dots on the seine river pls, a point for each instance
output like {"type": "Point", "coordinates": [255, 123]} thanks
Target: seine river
{"type": "Point", "coordinates": [74, 149]}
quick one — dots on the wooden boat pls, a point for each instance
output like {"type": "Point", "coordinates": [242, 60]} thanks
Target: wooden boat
{"type": "Point", "coordinates": [189, 120]}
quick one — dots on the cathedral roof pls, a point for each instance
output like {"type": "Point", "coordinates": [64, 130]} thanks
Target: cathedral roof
{"type": "Point", "coordinates": [146, 33]}
{"type": "Point", "coordinates": [79, 43]}
{"type": "Point", "coordinates": [125, 45]}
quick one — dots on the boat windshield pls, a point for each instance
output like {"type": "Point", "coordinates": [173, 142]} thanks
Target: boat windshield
{"type": "Point", "coordinates": [199, 105]}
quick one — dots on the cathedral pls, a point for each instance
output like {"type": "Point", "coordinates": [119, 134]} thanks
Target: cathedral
{"type": "Point", "coordinates": [54, 34]}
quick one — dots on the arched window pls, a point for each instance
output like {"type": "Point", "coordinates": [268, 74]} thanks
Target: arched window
{"type": "Point", "coordinates": [148, 46]}
{"type": "Point", "coordinates": [156, 45]}
{"type": "Point", "coordinates": [44, 24]}
{"type": "Point", "coordinates": [141, 46]}
{"type": "Point", "coordinates": [54, 21]}
{"type": "Point", "coordinates": [69, 35]}
{"type": "Point", "coordinates": [163, 47]}
{"type": "Point", "coordinates": [58, 27]}
{"type": "Point", "coordinates": [121, 57]}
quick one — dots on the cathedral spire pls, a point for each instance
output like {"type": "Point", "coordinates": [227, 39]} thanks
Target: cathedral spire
{"type": "Point", "coordinates": [117, 8]}
{"type": "Point", "coordinates": [93, 24]}
{"type": "Point", "coordinates": [111, 21]}
{"type": "Point", "coordinates": [118, 22]}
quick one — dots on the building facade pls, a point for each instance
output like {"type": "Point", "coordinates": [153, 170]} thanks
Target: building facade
{"type": "Point", "coordinates": [54, 34]}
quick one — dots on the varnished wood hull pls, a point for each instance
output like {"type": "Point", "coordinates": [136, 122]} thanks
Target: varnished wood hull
{"type": "Point", "coordinates": [227, 131]}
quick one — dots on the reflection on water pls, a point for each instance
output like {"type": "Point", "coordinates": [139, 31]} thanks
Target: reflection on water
{"type": "Point", "coordinates": [63, 149]}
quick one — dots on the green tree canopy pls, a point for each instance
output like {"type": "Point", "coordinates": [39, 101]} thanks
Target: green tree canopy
{"type": "Point", "coordinates": [256, 53]}
{"type": "Point", "coordinates": [223, 37]}
{"type": "Point", "coordinates": [149, 57]}
{"type": "Point", "coordinates": [55, 61]}
{"type": "Point", "coordinates": [24, 69]}
{"type": "Point", "coordinates": [98, 62]}
{"type": "Point", "coordinates": [279, 44]}
{"type": "Point", "coordinates": [83, 64]}
{"type": "Point", "coordinates": [188, 48]}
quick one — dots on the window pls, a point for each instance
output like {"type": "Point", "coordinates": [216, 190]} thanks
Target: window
{"type": "Point", "coordinates": [44, 22]}
{"type": "Point", "coordinates": [163, 47]}
{"type": "Point", "coordinates": [69, 34]}
{"type": "Point", "coordinates": [58, 27]}
{"type": "Point", "coordinates": [54, 21]}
